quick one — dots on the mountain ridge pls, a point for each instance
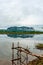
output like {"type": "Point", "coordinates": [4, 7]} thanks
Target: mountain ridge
{"type": "Point", "coordinates": [21, 28]}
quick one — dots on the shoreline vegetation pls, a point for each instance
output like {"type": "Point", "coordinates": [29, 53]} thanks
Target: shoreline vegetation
{"type": "Point", "coordinates": [39, 46]}
{"type": "Point", "coordinates": [36, 62]}
{"type": "Point", "coordinates": [20, 32]}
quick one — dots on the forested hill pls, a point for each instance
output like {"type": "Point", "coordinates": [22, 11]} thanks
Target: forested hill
{"type": "Point", "coordinates": [23, 28]}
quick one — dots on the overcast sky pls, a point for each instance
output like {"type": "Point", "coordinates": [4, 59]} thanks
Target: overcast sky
{"type": "Point", "coordinates": [21, 12]}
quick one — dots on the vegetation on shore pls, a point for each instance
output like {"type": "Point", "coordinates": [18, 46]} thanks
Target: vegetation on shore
{"type": "Point", "coordinates": [13, 32]}
{"type": "Point", "coordinates": [36, 62]}
{"type": "Point", "coordinates": [39, 46]}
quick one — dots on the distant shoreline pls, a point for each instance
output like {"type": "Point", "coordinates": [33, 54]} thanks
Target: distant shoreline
{"type": "Point", "coordinates": [11, 32]}
{"type": "Point", "coordinates": [20, 30]}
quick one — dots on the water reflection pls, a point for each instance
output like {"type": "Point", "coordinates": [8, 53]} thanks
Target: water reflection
{"type": "Point", "coordinates": [6, 44]}
{"type": "Point", "coordinates": [21, 35]}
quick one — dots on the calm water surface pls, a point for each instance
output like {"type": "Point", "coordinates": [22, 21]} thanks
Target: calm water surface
{"type": "Point", "coordinates": [6, 43]}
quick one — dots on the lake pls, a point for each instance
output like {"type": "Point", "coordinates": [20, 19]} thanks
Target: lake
{"type": "Point", "coordinates": [24, 41]}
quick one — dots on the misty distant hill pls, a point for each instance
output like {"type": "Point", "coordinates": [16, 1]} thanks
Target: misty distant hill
{"type": "Point", "coordinates": [20, 29]}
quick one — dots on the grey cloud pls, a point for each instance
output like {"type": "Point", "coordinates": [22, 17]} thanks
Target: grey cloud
{"type": "Point", "coordinates": [34, 7]}
{"type": "Point", "coordinates": [13, 11]}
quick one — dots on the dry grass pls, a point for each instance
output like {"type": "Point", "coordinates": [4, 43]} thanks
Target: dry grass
{"type": "Point", "coordinates": [39, 46]}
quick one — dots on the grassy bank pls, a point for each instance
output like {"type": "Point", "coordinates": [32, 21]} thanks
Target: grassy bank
{"type": "Point", "coordinates": [13, 32]}
{"type": "Point", "coordinates": [39, 46]}
{"type": "Point", "coordinates": [36, 62]}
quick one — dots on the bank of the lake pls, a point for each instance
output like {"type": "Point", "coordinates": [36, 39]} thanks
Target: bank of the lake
{"type": "Point", "coordinates": [39, 46]}
{"type": "Point", "coordinates": [13, 32]}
